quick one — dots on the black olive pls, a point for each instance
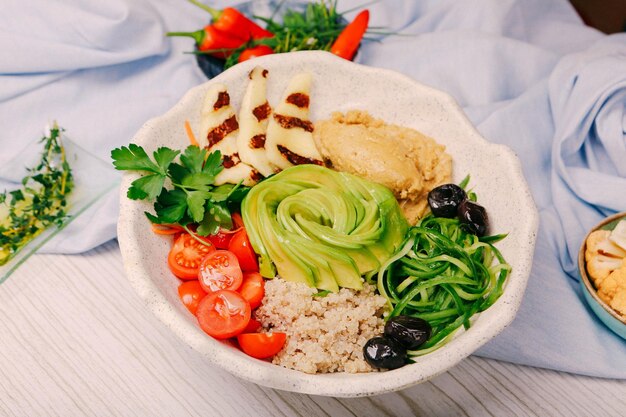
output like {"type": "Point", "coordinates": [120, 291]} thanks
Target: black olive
{"type": "Point", "coordinates": [410, 332]}
{"type": "Point", "coordinates": [383, 352]}
{"type": "Point", "coordinates": [444, 201]}
{"type": "Point", "coordinates": [474, 218]}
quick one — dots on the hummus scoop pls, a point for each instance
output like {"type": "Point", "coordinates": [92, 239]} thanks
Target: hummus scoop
{"type": "Point", "coordinates": [404, 160]}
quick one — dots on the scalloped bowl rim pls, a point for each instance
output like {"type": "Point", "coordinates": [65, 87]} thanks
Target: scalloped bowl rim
{"type": "Point", "coordinates": [489, 323]}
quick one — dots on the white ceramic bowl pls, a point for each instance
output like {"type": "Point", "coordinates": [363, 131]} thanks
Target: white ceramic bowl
{"type": "Point", "coordinates": [496, 177]}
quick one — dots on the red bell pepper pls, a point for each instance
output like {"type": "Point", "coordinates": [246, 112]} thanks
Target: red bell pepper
{"type": "Point", "coordinates": [212, 39]}
{"type": "Point", "coordinates": [235, 23]}
{"type": "Point", "coordinates": [349, 39]}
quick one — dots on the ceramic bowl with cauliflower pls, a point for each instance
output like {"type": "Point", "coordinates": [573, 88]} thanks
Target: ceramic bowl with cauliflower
{"type": "Point", "coordinates": [602, 264]}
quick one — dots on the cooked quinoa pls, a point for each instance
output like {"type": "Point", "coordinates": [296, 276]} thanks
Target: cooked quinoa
{"type": "Point", "coordinates": [324, 334]}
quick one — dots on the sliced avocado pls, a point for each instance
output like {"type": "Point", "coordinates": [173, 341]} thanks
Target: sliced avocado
{"type": "Point", "coordinates": [322, 227]}
{"type": "Point", "coordinates": [291, 266]}
{"type": "Point", "coordinates": [364, 259]}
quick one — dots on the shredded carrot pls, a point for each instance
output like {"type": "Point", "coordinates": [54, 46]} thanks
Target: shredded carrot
{"type": "Point", "coordinates": [166, 229]}
{"type": "Point", "coordinates": [192, 137]}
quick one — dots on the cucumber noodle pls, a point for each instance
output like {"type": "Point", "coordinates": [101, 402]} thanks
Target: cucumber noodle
{"type": "Point", "coordinates": [444, 275]}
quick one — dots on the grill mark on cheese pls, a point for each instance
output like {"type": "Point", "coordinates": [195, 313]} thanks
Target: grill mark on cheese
{"type": "Point", "coordinates": [289, 122]}
{"type": "Point", "coordinates": [257, 141]}
{"type": "Point", "coordinates": [262, 112]}
{"type": "Point", "coordinates": [296, 159]}
{"type": "Point", "coordinates": [223, 99]}
{"type": "Point", "coordinates": [256, 176]}
{"type": "Point", "coordinates": [228, 126]}
{"type": "Point", "coordinates": [230, 161]}
{"type": "Point", "coordinates": [299, 100]}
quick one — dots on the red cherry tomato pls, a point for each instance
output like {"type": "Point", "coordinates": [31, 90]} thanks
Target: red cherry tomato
{"type": "Point", "coordinates": [220, 270]}
{"type": "Point", "coordinates": [190, 294]}
{"type": "Point", "coordinates": [185, 256]}
{"type": "Point", "coordinates": [255, 51]}
{"type": "Point", "coordinates": [220, 240]}
{"type": "Point", "coordinates": [261, 345]}
{"type": "Point", "coordinates": [252, 288]}
{"type": "Point", "coordinates": [253, 326]}
{"type": "Point", "coordinates": [240, 246]}
{"type": "Point", "coordinates": [223, 314]}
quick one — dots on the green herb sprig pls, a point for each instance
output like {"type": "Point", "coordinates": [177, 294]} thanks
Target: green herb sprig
{"type": "Point", "coordinates": [193, 197]}
{"type": "Point", "coordinates": [41, 202]}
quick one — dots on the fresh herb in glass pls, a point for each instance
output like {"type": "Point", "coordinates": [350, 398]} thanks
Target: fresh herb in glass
{"type": "Point", "coordinates": [42, 200]}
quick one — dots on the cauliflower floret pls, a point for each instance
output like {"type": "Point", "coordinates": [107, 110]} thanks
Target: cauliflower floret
{"type": "Point", "coordinates": [602, 256]}
{"type": "Point", "coordinates": [618, 235]}
{"type": "Point", "coordinates": [605, 257]}
{"type": "Point", "coordinates": [618, 303]}
{"type": "Point", "coordinates": [601, 241]}
{"type": "Point", "coordinates": [600, 267]}
{"type": "Point", "coordinates": [613, 290]}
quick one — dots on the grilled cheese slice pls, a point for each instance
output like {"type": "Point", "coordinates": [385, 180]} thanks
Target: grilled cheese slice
{"type": "Point", "coordinates": [289, 138]}
{"type": "Point", "coordinates": [253, 119]}
{"type": "Point", "coordinates": [219, 128]}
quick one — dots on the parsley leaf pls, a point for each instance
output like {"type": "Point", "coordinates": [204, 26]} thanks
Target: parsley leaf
{"type": "Point", "coordinates": [215, 216]}
{"type": "Point", "coordinates": [133, 158]}
{"type": "Point", "coordinates": [230, 192]}
{"type": "Point", "coordinates": [197, 181]}
{"type": "Point", "coordinates": [193, 197]}
{"type": "Point", "coordinates": [164, 157]}
{"type": "Point", "coordinates": [195, 204]}
{"type": "Point", "coordinates": [170, 206]}
{"type": "Point", "coordinates": [177, 172]}
{"type": "Point", "coordinates": [193, 158]}
{"type": "Point", "coordinates": [213, 164]}
{"type": "Point", "coordinates": [147, 187]}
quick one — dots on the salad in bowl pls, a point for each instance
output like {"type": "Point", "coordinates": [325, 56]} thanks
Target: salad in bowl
{"type": "Point", "coordinates": [318, 226]}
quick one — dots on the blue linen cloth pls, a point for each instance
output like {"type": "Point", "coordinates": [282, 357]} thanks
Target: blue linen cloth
{"type": "Point", "coordinates": [528, 73]}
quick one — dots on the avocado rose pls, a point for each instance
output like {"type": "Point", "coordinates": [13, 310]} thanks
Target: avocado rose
{"type": "Point", "coordinates": [322, 227]}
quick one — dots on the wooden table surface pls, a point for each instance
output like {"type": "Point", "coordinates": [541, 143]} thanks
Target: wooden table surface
{"type": "Point", "coordinates": [75, 340]}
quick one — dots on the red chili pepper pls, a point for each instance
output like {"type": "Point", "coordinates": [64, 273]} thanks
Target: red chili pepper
{"type": "Point", "coordinates": [255, 51]}
{"type": "Point", "coordinates": [235, 23]}
{"type": "Point", "coordinates": [212, 39]}
{"type": "Point", "coordinates": [349, 39]}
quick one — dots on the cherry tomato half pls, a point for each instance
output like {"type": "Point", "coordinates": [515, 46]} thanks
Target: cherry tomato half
{"type": "Point", "coordinates": [241, 247]}
{"type": "Point", "coordinates": [185, 256]}
{"type": "Point", "coordinates": [220, 270]}
{"type": "Point", "coordinates": [255, 51]}
{"type": "Point", "coordinates": [190, 293]}
{"type": "Point", "coordinates": [223, 314]}
{"type": "Point", "coordinates": [253, 326]}
{"type": "Point", "coordinates": [252, 288]}
{"type": "Point", "coordinates": [261, 345]}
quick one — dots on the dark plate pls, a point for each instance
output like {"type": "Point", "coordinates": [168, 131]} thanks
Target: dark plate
{"type": "Point", "coordinates": [210, 65]}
